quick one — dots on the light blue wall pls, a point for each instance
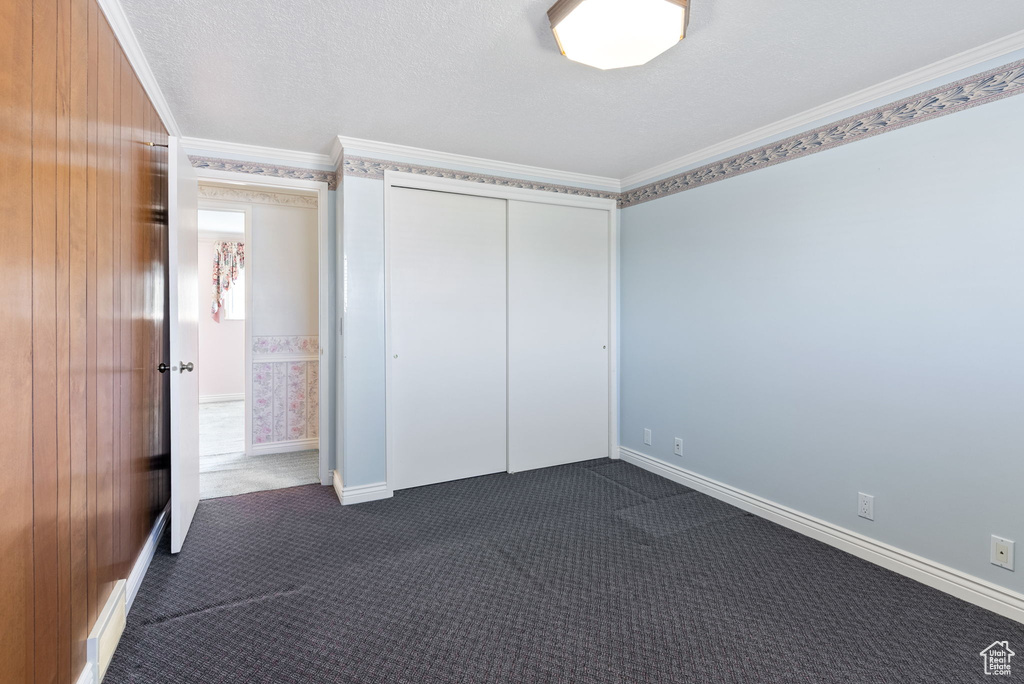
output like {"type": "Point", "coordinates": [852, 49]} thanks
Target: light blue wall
{"type": "Point", "coordinates": [849, 321]}
{"type": "Point", "coordinates": [362, 291]}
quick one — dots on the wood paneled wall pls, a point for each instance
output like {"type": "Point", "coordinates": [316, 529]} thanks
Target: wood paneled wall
{"type": "Point", "coordinates": [84, 414]}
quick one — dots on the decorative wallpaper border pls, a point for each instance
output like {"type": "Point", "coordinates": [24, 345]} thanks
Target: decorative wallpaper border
{"type": "Point", "coordinates": [287, 344]}
{"type": "Point", "coordinates": [261, 169]}
{"type": "Point", "coordinates": [364, 167]}
{"type": "Point", "coordinates": [970, 92]}
{"type": "Point", "coordinates": [216, 192]}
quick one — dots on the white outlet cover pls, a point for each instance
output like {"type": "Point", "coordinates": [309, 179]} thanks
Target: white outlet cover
{"type": "Point", "coordinates": [647, 436]}
{"type": "Point", "coordinates": [679, 446]}
{"type": "Point", "coordinates": [866, 506]}
{"type": "Point", "coordinates": [1002, 552]}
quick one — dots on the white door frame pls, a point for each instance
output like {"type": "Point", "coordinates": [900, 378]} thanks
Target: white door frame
{"type": "Point", "coordinates": [324, 334]}
{"type": "Point", "coordinates": [403, 179]}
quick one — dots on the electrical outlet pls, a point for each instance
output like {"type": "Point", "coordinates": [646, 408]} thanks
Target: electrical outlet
{"type": "Point", "coordinates": [679, 446]}
{"type": "Point", "coordinates": [647, 436]}
{"type": "Point", "coordinates": [1002, 552]}
{"type": "Point", "coordinates": [866, 506]}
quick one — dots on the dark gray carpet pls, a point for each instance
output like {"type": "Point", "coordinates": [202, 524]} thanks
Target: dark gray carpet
{"type": "Point", "coordinates": [594, 572]}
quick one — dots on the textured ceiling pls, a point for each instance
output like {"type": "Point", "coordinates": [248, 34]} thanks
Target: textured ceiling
{"type": "Point", "coordinates": [484, 77]}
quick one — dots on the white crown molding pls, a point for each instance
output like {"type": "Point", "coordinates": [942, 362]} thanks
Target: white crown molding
{"type": "Point", "coordinates": [1001, 600]}
{"type": "Point", "coordinates": [268, 153]}
{"type": "Point", "coordinates": [337, 153]}
{"type": "Point", "coordinates": [118, 21]}
{"type": "Point", "coordinates": [912, 79]}
{"type": "Point", "coordinates": [392, 152]}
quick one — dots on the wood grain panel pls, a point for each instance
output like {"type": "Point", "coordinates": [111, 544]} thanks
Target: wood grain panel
{"type": "Point", "coordinates": [92, 306]}
{"type": "Point", "coordinates": [16, 570]}
{"type": "Point", "coordinates": [79, 327]}
{"type": "Point", "coordinates": [83, 251]}
{"type": "Point", "coordinates": [139, 296]}
{"type": "Point", "coordinates": [63, 326]}
{"type": "Point", "coordinates": [105, 208]}
{"type": "Point", "coordinates": [109, 254]}
{"type": "Point", "coordinates": [44, 335]}
{"type": "Point", "coordinates": [125, 274]}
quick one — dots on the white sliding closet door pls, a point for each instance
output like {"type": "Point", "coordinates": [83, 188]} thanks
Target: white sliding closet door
{"type": "Point", "coordinates": [558, 289]}
{"type": "Point", "coordinates": [447, 395]}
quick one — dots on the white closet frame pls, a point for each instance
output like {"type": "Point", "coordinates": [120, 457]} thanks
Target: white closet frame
{"type": "Point", "coordinates": [399, 179]}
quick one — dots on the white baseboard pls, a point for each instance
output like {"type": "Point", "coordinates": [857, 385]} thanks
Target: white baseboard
{"type": "Point", "coordinates": [363, 493]}
{"type": "Point", "coordinates": [146, 556]}
{"type": "Point", "coordinates": [87, 676]}
{"type": "Point", "coordinates": [285, 447]}
{"type": "Point", "coordinates": [339, 488]}
{"type": "Point", "coordinates": [106, 633]}
{"type": "Point", "coordinates": [972, 589]}
{"type": "Point", "coordinates": [215, 398]}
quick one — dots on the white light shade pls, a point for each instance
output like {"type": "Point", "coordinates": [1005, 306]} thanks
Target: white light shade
{"type": "Point", "coordinates": [609, 34]}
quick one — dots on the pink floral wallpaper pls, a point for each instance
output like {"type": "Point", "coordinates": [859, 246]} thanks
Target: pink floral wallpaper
{"type": "Point", "coordinates": [285, 393]}
{"type": "Point", "coordinates": [294, 344]}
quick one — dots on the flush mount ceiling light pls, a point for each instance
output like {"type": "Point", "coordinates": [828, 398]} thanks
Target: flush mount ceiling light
{"type": "Point", "coordinates": [610, 34]}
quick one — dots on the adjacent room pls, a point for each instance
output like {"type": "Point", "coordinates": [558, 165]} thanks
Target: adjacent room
{"type": "Point", "coordinates": [436, 342]}
{"type": "Point", "coordinates": [258, 368]}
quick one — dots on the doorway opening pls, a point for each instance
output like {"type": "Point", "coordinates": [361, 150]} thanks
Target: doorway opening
{"type": "Point", "coordinates": [259, 351]}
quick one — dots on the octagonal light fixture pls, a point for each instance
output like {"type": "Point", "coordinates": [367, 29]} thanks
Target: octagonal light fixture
{"type": "Point", "coordinates": [611, 34]}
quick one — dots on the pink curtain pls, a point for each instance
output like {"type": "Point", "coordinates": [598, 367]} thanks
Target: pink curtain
{"type": "Point", "coordinates": [228, 260]}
